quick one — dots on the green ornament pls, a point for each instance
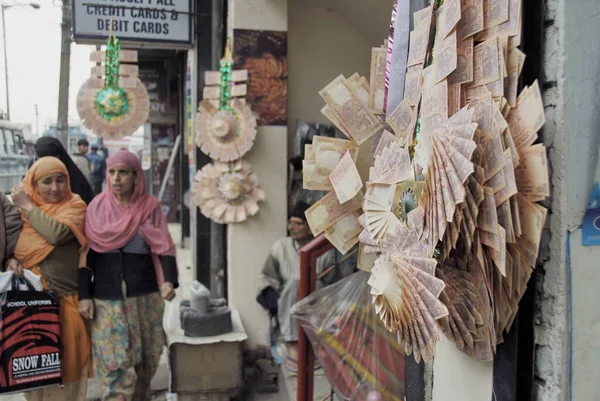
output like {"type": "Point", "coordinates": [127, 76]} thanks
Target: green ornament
{"type": "Point", "coordinates": [111, 101]}
{"type": "Point", "coordinates": [226, 67]}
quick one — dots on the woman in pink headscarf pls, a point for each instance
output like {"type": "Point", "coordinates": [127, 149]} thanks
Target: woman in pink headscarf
{"type": "Point", "coordinates": [132, 268]}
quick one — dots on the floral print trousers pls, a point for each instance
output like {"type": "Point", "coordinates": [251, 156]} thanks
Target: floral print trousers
{"type": "Point", "coordinates": [128, 339]}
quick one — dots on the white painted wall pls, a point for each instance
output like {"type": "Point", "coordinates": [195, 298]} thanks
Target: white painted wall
{"type": "Point", "coordinates": [322, 45]}
{"type": "Point", "coordinates": [458, 377]}
{"type": "Point", "coordinates": [370, 18]}
{"type": "Point", "coordinates": [249, 243]}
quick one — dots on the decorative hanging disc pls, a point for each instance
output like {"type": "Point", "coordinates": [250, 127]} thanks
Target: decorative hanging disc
{"type": "Point", "coordinates": [227, 193]}
{"type": "Point", "coordinates": [225, 135]}
{"type": "Point", "coordinates": [113, 113]}
{"type": "Point", "coordinates": [113, 108]}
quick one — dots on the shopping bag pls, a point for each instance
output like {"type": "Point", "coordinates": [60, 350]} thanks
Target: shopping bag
{"type": "Point", "coordinates": [30, 349]}
{"type": "Point", "coordinates": [358, 354]}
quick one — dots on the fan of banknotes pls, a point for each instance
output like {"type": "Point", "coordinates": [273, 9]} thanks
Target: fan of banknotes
{"type": "Point", "coordinates": [225, 135]}
{"type": "Point", "coordinates": [113, 102]}
{"type": "Point", "coordinates": [406, 291]}
{"type": "Point", "coordinates": [378, 215]}
{"type": "Point", "coordinates": [227, 192]}
{"type": "Point", "coordinates": [470, 320]}
{"type": "Point", "coordinates": [455, 167]}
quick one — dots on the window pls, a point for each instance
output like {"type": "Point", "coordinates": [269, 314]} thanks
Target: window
{"type": "Point", "coordinates": [2, 143]}
{"type": "Point", "coordinates": [19, 143]}
{"type": "Point", "coordinates": [9, 142]}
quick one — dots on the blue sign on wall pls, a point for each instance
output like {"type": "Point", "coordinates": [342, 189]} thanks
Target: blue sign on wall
{"type": "Point", "coordinates": [591, 221]}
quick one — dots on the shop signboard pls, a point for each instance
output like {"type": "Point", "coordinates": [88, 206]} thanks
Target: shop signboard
{"type": "Point", "coordinates": [137, 23]}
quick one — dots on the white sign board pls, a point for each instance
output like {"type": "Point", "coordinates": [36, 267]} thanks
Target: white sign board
{"type": "Point", "coordinates": [160, 23]}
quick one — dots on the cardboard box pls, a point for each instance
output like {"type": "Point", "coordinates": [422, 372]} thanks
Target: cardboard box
{"type": "Point", "coordinates": [204, 364]}
{"type": "Point", "coordinates": [206, 368]}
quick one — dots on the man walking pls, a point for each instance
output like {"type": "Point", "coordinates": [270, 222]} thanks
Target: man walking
{"type": "Point", "coordinates": [81, 160]}
{"type": "Point", "coordinates": [98, 169]}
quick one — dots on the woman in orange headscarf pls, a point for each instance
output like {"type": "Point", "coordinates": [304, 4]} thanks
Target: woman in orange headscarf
{"type": "Point", "coordinates": [52, 244]}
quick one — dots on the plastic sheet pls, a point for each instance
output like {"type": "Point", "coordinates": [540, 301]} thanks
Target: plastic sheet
{"type": "Point", "coordinates": [200, 298]}
{"type": "Point", "coordinates": [358, 355]}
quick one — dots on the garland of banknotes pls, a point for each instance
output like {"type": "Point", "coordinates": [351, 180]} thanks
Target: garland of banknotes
{"type": "Point", "coordinates": [113, 102]}
{"type": "Point", "coordinates": [442, 196]}
{"type": "Point", "coordinates": [226, 191]}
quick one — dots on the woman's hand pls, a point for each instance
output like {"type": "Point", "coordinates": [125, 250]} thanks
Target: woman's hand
{"type": "Point", "coordinates": [15, 266]}
{"type": "Point", "coordinates": [167, 291]}
{"type": "Point", "coordinates": [86, 308]}
{"type": "Point", "coordinates": [21, 199]}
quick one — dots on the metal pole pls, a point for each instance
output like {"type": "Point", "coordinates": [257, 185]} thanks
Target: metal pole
{"type": "Point", "coordinates": [5, 63]}
{"type": "Point", "coordinates": [174, 152]}
{"type": "Point", "coordinates": [307, 284]}
{"type": "Point", "coordinates": [218, 236]}
{"type": "Point", "coordinates": [99, 139]}
{"type": "Point", "coordinates": [65, 65]}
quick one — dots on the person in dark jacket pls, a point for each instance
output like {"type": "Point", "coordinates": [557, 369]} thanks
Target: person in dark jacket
{"type": "Point", "coordinates": [50, 146]}
{"type": "Point", "coordinates": [131, 269]}
{"type": "Point", "coordinates": [97, 169]}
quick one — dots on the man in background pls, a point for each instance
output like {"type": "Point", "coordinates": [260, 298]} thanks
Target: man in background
{"type": "Point", "coordinates": [279, 283]}
{"type": "Point", "coordinates": [97, 169]}
{"type": "Point", "coordinates": [81, 160]}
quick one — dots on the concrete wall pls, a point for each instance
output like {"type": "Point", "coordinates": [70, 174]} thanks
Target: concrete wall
{"type": "Point", "coordinates": [571, 63]}
{"type": "Point", "coordinates": [249, 243]}
{"type": "Point", "coordinates": [586, 319]}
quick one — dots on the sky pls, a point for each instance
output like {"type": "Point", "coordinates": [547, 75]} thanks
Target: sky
{"type": "Point", "coordinates": [33, 48]}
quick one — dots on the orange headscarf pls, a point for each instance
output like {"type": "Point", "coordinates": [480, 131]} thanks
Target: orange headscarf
{"type": "Point", "coordinates": [32, 248]}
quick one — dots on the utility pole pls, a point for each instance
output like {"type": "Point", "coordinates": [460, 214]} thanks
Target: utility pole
{"type": "Point", "coordinates": [65, 66]}
{"type": "Point", "coordinates": [99, 139]}
{"type": "Point", "coordinates": [218, 233]}
{"type": "Point", "coordinates": [5, 63]}
{"type": "Point", "coordinates": [37, 121]}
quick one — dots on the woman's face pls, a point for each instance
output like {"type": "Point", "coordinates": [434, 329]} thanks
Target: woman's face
{"type": "Point", "coordinates": [52, 188]}
{"type": "Point", "coordinates": [122, 181]}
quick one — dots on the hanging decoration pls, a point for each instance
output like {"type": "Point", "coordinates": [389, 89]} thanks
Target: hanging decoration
{"type": "Point", "coordinates": [227, 192]}
{"type": "Point", "coordinates": [113, 102]}
{"type": "Point", "coordinates": [446, 186]}
{"type": "Point", "coordinates": [226, 131]}
{"type": "Point", "coordinates": [225, 134]}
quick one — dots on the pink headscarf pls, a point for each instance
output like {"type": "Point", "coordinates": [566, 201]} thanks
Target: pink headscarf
{"type": "Point", "coordinates": [110, 226]}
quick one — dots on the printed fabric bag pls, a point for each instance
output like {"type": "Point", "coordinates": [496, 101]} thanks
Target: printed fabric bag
{"type": "Point", "coordinates": [30, 348]}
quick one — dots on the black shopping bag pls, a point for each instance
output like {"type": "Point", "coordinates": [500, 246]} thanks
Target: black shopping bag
{"type": "Point", "coordinates": [30, 348]}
